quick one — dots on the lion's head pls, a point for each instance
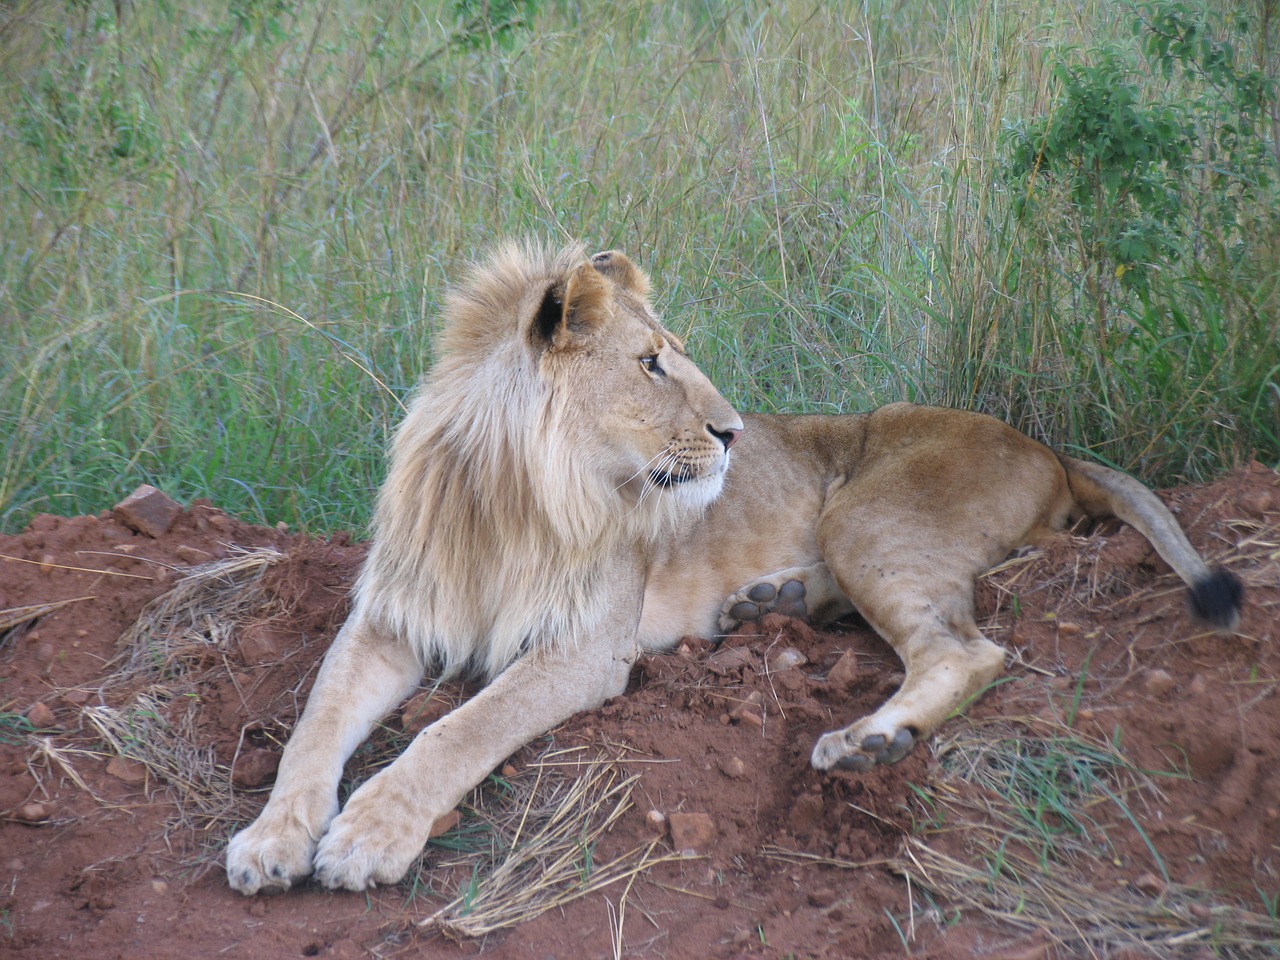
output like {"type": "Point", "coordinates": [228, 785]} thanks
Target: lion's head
{"type": "Point", "coordinates": [560, 422]}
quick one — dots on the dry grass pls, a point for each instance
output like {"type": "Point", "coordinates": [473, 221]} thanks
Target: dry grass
{"type": "Point", "coordinates": [545, 837]}
{"type": "Point", "coordinates": [193, 622]}
{"type": "Point", "coordinates": [1071, 911]}
{"type": "Point", "coordinates": [1018, 830]}
{"type": "Point", "coordinates": [12, 617]}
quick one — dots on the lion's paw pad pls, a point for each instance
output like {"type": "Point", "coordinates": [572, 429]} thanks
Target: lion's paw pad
{"type": "Point", "coordinates": [764, 597]}
{"type": "Point", "coordinates": [877, 749]}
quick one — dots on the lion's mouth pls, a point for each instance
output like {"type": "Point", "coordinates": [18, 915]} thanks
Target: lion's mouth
{"type": "Point", "coordinates": [671, 477]}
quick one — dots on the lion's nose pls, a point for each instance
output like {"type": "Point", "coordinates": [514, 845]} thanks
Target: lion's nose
{"type": "Point", "coordinates": [727, 437]}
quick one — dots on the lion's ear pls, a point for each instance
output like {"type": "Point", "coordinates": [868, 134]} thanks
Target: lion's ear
{"type": "Point", "coordinates": [571, 310]}
{"type": "Point", "coordinates": [618, 268]}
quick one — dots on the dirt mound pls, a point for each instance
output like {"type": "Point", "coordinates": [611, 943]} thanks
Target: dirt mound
{"type": "Point", "coordinates": [1117, 792]}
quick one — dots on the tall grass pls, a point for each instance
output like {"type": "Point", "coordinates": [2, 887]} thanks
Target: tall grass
{"type": "Point", "coordinates": [225, 231]}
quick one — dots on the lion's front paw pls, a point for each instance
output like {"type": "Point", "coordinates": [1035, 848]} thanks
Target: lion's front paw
{"type": "Point", "coordinates": [270, 854]}
{"type": "Point", "coordinates": [374, 840]}
{"type": "Point", "coordinates": [859, 748]}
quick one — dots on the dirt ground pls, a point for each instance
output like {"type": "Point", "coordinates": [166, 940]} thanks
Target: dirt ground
{"type": "Point", "coordinates": [1148, 825]}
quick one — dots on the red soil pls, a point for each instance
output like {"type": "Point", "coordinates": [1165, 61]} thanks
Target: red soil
{"type": "Point", "coordinates": [97, 862]}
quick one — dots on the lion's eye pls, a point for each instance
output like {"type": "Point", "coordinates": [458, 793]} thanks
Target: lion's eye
{"type": "Point", "coordinates": [651, 365]}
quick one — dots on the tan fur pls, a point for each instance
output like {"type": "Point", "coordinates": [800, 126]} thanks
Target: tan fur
{"type": "Point", "coordinates": [557, 502]}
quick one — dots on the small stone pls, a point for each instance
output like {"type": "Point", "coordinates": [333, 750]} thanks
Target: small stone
{"type": "Point", "coordinates": [786, 658]}
{"type": "Point", "coordinates": [726, 661]}
{"type": "Point", "coordinates": [508, 771]}
{"type": "Point", "coordinates": [656, 821]}
{"type": "Point", "coordinates": [1068, 629]}
{"type": "Point", "coordinates": [159, 886]}
{"type": "Point", "coordinates": [733, 767]}
{"type": "Point", "coordinates": [255, 767]}
{"type": "Point", "coordinates": [76, 697]}
{"type": "Point", "coordinates": [148, 511]}
{"type": "Point", "coordinates": [750, 711]}
{"type": "Point", "coordinates": [444, 824]}
{"type": "Point", "coordinates": [1159, 683]}
{"type": "Point", "coordinates": [123, 768]}
{"type": "Point", "coordinates": [33, 812]}
{"type": "Point", "coordinates": [806, 812]}
{"type": "Point", "coordinates": [40, 716]}
{"type": "Point", "coordinates": [692, 833]}
{"type": "Point", "coordinates": [259, 643]}
{"type": "Point", "coordinates": [821, 898]}
{"type": "Point", "coordinates": [193, 556]}
{"type": "Point", "coordinates": [844, 673]}
{"type": "Point", "coordinates": [1198, 685]}
{"type": "Point", "coordinates": [1150, 884]}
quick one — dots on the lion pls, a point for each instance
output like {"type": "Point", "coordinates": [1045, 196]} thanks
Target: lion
{"type": "Point", "coordinates": [559, 500]}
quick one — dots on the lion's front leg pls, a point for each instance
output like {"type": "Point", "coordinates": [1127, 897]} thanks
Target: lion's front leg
{"type": "Point", "coordinates": [362, 677]}
{"type": "Point", "coordinates": [385, 824]}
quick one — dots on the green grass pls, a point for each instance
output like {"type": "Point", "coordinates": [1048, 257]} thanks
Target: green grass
{"type": "Point", "coordinates": [225, 232]}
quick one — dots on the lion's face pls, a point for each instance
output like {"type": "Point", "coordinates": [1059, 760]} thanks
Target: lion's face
{"type": "Point", "coordinates": [649, 417]}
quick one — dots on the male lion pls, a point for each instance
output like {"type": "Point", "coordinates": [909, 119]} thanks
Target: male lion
{"type": "Point", "coordinates": [557, 503]}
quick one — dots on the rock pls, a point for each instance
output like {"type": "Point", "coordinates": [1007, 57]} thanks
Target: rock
{"type": "Point", "coordinates": [259, 643]}
{"type": "Point", "coordinates": [726, 661]}
{"type": "Point", "coordinates": [130, 771]}
{"type": "Point", "coordinates": [844, 673]}
{"type": "Point", "coordinates": [1150, 884]}
{"type": "Point", "coordinates": [1158, 683]}
{"type": "Point", "coordinates": [786, 658]}
{"type": "Point", "coordinates": [255, 767]}
{"type": "Point", "coordinates": [750, 711]}
{"type": "Point", "coordinates": [821, 898]}
{"type": "Point", "coordinates": [692, 833]}
{"type": "Point", "coordinates": [34, 812]}
{"type": "Point", "coordinates": [76, 697]}
{"type": "Point", "coordinates": [40, 716]}
{"type": "Point", "coordinates": [806, 812]}
{"type": "Point", "coordinates": [193, 556]}
{"type": "Point", "coordinates": [148, 511]}
{"type": "Point", "coordinates": [445, 824]}
{"type": "Point", "coordinates": [733, 767]}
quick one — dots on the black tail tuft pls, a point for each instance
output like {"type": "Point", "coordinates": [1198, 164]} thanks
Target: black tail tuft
{"type": "Point", "coordinates": [1216, 599]}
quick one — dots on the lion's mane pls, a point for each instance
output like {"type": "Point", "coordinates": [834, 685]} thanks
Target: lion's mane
{"type": "Point", "coordinates": [495, 519]}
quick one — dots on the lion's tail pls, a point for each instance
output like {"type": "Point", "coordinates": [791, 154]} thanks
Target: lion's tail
{"type": "Point", "coordinates": [1216, 594]}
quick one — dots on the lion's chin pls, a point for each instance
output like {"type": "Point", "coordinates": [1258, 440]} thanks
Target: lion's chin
{"type": "Point", "coordinates": [694, 492]}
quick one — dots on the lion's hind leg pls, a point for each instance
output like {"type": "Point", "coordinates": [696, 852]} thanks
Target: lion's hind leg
{"type": "Point", "coordinates": [809, 592]}
{"type": "Point", "coordinates": [911, 578]}
{"type": "Point", "coordinates": [947, 661]}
